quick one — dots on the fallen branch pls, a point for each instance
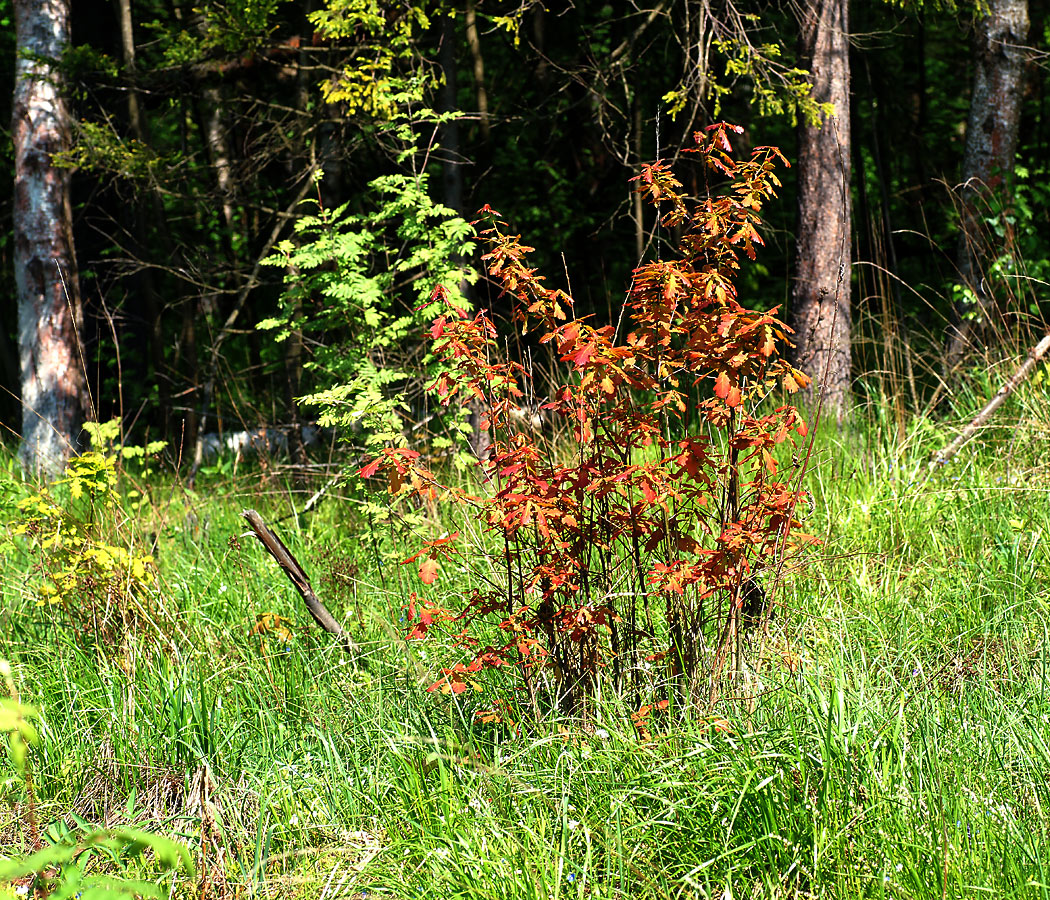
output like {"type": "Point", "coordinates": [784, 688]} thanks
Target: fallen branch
{"type": "Point", "coordinates": [299, 579]}
{"type": "Point", "coordinates": [1023, 371]}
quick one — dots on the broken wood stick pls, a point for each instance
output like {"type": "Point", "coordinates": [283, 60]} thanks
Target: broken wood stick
{"type": "Point", "coordinates": [1023, 371]}
{"type": "Point", "coordinates": [299, 579]}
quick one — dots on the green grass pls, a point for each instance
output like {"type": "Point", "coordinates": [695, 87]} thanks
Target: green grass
{"type": "Point", "coordinates": [897, 743]}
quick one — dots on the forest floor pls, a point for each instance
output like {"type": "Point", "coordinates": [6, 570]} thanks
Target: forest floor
{"type": "Point", "coordinates": [894, 740]}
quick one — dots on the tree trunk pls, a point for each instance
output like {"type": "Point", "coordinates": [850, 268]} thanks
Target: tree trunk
{"type": "Point", "coordinates": [216, 137]}
{"type": "Point", "coordinates": [999, 55]}
{"type": "Point", "coordinates": [144, 212]}
{"type": "Point", "coordinates": [820, 297]}
{"type": "Point", "coordinates": [127, 42]}
{"type": "Point", "coordinates": [451, 159]}
{"type": "Point", "coordinates": [481, 92]}
{"type": "Point", "coordinates": [54, 391]}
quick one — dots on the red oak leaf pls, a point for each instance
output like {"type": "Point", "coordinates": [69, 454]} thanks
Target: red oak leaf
{"type": "Point", "coordinates": [428, 571]}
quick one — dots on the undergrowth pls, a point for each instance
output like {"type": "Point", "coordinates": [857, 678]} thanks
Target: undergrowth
{"type": "Point", "coordinates": [175, 725]}
{"type": "Point", "coordinates": [896, 744]}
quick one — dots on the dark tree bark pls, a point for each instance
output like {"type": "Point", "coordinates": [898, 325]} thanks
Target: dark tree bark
{"type": "Point", "coordinates": [451, 160]}
{"type": "Point", "coordinates": [146, 211]}
{"type": "Point", "coordinates": [54, 392]}
{"type": "Point", "coordinates": [999, 55]}
{"type": "Point", "coordinates": [481, 92]}
{"type": "Point", "coordinates": [820, 298]}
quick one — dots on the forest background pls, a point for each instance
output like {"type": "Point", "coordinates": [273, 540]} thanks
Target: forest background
{"type": "Point", "coordinates": [255, 203]}
{"type": "Point", "coordinates": [197, 136]}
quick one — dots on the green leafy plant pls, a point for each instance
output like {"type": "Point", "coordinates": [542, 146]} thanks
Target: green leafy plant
{"type": "Point", "coordinates": [360, 284]}
{"type": "Point", "coordinates": [15, 723]}
{"type": "Point", "coordinates": [86, 561]}
{"type": "Point", "coordinates": [369, 81]}
{"type": "Point", "coordinates": [672, 500]}
{"type": "Point", "coordinates": [60, 871]}
{"type": "Point", "coordinates": [1016, 243]}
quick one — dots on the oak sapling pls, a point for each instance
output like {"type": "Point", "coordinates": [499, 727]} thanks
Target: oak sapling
{"type": "Point", "coordinates": [638, 545]}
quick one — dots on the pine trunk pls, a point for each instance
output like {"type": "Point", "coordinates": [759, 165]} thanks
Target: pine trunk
{"type": "Point", "coordinates": [820, 299]}
{"type": "Point", "coordinates": [53, 386]}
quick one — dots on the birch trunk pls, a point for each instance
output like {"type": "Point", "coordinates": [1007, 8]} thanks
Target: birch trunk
{"type": "Point", "coordinates": [54, 391]}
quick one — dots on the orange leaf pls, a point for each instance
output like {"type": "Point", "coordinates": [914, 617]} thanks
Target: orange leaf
{"type": "Point", "coordinates": [370, 470]}
{"type": "Point", "coordinates": [583, 355]}
{"type": "Point", "coordinates": [768, 345]}
{"type": "Point", "coordinates": [428, 571]}
{"type": "Point", "coordinates": [722, 386]}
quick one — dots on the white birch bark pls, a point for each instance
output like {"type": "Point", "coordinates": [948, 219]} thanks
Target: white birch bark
{"type": "Point", "coordinates": [52, 377]}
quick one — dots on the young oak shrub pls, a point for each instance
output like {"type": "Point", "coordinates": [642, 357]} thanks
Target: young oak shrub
{"type": "Point", "coordinates": [648, 542]}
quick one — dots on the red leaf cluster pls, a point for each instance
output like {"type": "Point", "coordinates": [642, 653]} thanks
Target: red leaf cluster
{"type": "Point", "coordinates": [651, 503]}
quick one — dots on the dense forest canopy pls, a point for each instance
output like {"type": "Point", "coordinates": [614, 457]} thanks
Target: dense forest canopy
{"type": "Point", "coordinates": [227, 158]}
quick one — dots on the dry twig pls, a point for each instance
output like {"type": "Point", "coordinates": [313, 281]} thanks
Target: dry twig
{"type": "Point", "coordinates": [1023, 371]}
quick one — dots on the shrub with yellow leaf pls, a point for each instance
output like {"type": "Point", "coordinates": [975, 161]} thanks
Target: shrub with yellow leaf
{"type": "Point", "coordinates": [86, 559]}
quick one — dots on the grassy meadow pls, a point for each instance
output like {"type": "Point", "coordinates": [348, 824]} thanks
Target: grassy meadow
{"type": "Point", "coordinates": [893, 739]}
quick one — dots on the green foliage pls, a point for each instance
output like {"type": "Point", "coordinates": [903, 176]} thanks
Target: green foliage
{"type": "Point", "coordinates": [221, 27]}
{"type": "Point", "coordinates": [60, 870]}
{"type": "Point", "coordinates": [360, 285]}
{"type": "Point", "coordinates": [385, 38]}
{"type": "Point", "coordinates": [1010, 248]}
{"type": "Point", "coordinates": [14, 722]}
{"type": "Point", "coordinates": [776, 89]}
{"type": "Point", "coordinates": [84, 562]}
{"type": "Point", "coordinates": [895, 743]}
{"type": "Point", "coordinates": [1017, 226]}
{"type": "Point", "coordinates": [83, 61]}
{"type": "Point", "coordinates": [98, 148]}
{"type": "Point", "coordinates": [898, 740]}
